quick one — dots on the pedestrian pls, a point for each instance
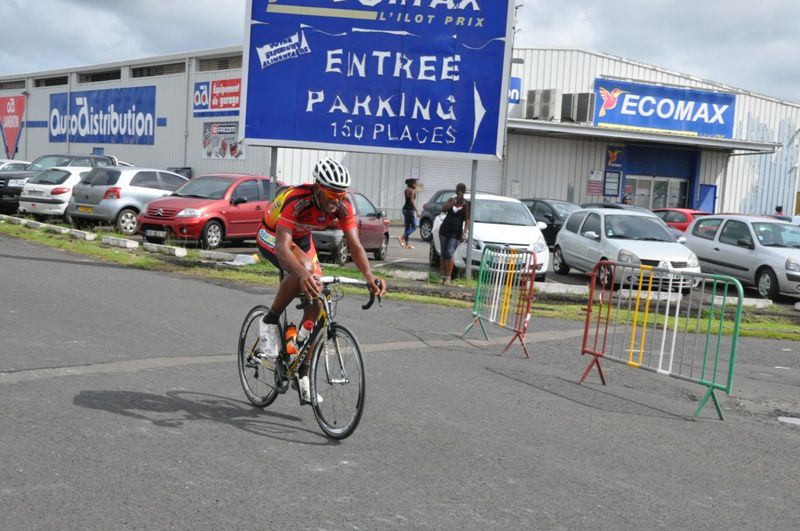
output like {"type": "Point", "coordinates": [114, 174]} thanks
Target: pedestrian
{"type": "Point", "coordinates": [627, 200]}
{"type": "Point", "coordinates": [453, 230]}
{"type": "Point", "coordinates": [410, 213]}
{"type": "Point", "coordinates": [779, 210]}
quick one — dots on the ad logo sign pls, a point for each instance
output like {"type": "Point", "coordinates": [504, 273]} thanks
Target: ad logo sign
{"type": "Point", "coordinates": [413, 77]}
{"type": "Point", "coordinates": [217, 97]}
{"type": "Point", "coordinates": [638, 106]}
{"type": "Point", "coordinates": [111, 116]}
{"type": "Point", "coordinates": [12, 111]}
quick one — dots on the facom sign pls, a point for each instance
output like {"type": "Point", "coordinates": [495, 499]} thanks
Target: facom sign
{"type": "Point", "coordinates": [110, 116]}
{"type": "Point", "coordinates": [384, 76]}
{"type": "Point", "coordinates": [638, 106]}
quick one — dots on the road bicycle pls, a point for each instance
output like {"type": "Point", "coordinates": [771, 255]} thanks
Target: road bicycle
{"type": "Point", "coordinates": [336, 373]}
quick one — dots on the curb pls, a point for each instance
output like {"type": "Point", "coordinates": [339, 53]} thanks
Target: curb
{"type": "Point", "coordinates": [119, 242]}
{"type": "Point", "coordinates": [82, 235]}
{"type": "Point", "coordinates": [179, 252]}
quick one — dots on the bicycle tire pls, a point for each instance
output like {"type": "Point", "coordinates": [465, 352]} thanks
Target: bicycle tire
{"type": "Point", "coordinates": [342, 403]}
{"type": "Point", "coordinates": [258, 380]}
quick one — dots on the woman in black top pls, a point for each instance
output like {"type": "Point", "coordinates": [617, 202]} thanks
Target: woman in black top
{"type": "Point", "coordinates": [452, 230]}
{"type": "Point", "coordinates": [410, 213]}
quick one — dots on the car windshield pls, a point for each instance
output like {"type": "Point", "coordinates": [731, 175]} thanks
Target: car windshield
{"type": "Point", "coordinates": [48, 161]}
{"type": "Point", "coordinates": [503, 212]}
{"type": "Point", "coordinates": [50, 177]}
{"type": "Point", "coordinates": [563, 208]}
{"type": "Point", "coordinates": [777, 235]}
{"type": "Point", "coordinates": [204, 188]}
{"type": "Point", "coordinates": [636, 228]}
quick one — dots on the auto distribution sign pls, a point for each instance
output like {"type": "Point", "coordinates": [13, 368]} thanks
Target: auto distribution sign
{"type": "Point", "coordinates": [424, 77]}
{"type": "Point", "coordinates": [639, 106]}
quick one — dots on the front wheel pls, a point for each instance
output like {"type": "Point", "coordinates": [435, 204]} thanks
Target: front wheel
{"type": "Point", "coordinates": [767, 284]}
{"type": "Point", "coordinates": [337, 376]}
{"type": "Point", "coordinates": [212, 235]}
{"type": "Point", "coordinates": [258, 379]}
{"type": "Point", "coordinates": [426, 229]}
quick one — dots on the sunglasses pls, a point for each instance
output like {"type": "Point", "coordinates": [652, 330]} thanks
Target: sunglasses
{"type": "Point", "coordinates": [332, 194]}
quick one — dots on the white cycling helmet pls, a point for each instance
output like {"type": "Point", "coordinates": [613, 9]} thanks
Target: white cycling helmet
{"type": "Point", "coordinates": [332, 174]}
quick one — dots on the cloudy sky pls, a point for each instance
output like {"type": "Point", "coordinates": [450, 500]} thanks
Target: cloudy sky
{"type": "Point", "coordinates": [746, 44]}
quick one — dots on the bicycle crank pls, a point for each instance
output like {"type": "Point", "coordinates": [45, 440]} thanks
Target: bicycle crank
{"type": "Point", "coordinates": [281, 375]}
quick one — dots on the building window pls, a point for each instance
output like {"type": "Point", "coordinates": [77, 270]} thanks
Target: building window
{"type": "Point", "coordinates": [94, 77]}
{"type": "Point", "coordinates": [51, 81]}
{"type": "Point", "coordinates": [219, 63]}
{"type": "Point", "coordinates": [158, 70]}
{"type": "Point", "coordinates": [12, 85]}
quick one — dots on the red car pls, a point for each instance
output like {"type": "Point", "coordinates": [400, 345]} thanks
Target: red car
{"type": "Point", "coordinates": [679, 218]}
{"type": "Point", "coordinates": [208, 209]}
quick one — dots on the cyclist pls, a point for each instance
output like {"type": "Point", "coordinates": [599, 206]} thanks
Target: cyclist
{"type": "Point", "coordinates": [284, 238]}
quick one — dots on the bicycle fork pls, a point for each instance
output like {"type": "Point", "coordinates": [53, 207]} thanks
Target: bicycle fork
{"type": "Point", "coordinates": [343, 379]}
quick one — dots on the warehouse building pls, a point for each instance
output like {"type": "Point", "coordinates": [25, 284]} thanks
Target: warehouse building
{"type": "Point", "coordinates": [582, 126]}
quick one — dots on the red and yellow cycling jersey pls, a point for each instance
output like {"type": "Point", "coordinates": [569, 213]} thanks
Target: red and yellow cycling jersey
{"type": "Point", "coordinates": [295, 209]}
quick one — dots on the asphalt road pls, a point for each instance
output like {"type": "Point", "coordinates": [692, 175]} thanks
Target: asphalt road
{"type": "Point", "coordinates": [122, 409]}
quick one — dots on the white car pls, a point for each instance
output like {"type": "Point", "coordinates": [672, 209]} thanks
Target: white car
{"type": "Point", "coordinates": [498, 221]}
{"type": "Point", "coordinates": [48, 192]}
{"type": "Point", "coordinates": [625, 236]}
{"type": "Point", "coordinates": [759, 251]}
{"type": "Point", "coordinates": [13, 165]}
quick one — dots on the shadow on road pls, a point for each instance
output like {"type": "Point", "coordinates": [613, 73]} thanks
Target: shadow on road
{"type": "Point", "coordinates": [586, 396]}
{"type": "Point", "coordinates": [175, 408]}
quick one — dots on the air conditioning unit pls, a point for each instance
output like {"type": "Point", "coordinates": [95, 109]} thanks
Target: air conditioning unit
{"type": "Point", "coordinates": [532, 104]}
{"type": "Point", "coordinates": [550, 105]}
{"type": "Point", "coordinates": [577, 108]}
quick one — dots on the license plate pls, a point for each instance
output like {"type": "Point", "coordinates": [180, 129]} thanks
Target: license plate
{"type": "Point", "coordinates": [88, 210]}
{"type": "Point", "coordinates": [36, 192]}
{"type": "Point", "coordinates": [155, 233]}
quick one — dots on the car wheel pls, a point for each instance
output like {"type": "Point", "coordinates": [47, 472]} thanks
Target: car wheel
{"type": "Point", "coordinates": [433, 256]}
{"type": "Point", "coordinates": [559, 264]}
{"type": "Point", "coordinates": [212, 235]}
{"type": "Point", "coordinates": [341, 254]}
{"type": "Point", "coordinates": [604, 276]}
{"type": "Point", "coordinates": [127, 223]}
{"type": "Point", "coordinates": [67, 218]}
{"type": "Point", "coordinates": [380, 252]}
{"type": "Point", "coordinates": [767, 284]}
{"type": "Point", "coordinates": [426, 229]}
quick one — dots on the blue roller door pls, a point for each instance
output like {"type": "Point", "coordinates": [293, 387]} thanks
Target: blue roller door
{"type": "Point", "coordinates": [661, 162]}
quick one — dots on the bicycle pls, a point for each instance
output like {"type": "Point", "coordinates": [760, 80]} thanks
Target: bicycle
{"type": "Point", "coordinates": [337, 367]}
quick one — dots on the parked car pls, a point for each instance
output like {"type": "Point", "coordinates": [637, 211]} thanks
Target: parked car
{"type": "Point", "coordinates": [48, 192]}
{"type": "Point", "coordinates": [373, 232]}
{"type": "Point", "coordinates": [11, 182]}
{"type": "Point", "coordinates": [13, 165]}
{"type": "Point", "coordinates": [117, 194]}
{"type": "Point", "coordinates": [758, 251]}
{"type": "Point", "coordinates": [431, 209]}
{"type": "Point", "coordinates": [501, 221]}
{"type": "Point", "coordinates": [627, 237]}
{"type": "Point", "coordinates": [552, 212]}
{"type": "Point", "coordinates": [209, 209]}
{"type": "Point", "coordinates": [679, 218]}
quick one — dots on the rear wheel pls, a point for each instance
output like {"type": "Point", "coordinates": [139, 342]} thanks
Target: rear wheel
{"type": "Point", "coordinates": [256, 375]}
{"type": "Point", "coordinates": [341, 254]}
{"type": "Point", "coordinates": [767, 284]}
{"type": "Point", "coordinates": [426, 229]}
{"type": "Point", "coordinates": [337, 376]}
{"type": "Point", "coordinates": [67, 218]}
{"type": "Point", "coordinates": [127, 223]}
{"type": "Point", "coordinates": [212, 235]}
{"type": "Point", "coordinates": [380, 252]}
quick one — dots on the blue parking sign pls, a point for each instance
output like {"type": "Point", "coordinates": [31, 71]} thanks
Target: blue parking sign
{"type": "Point", "coordinates": [424, 77]}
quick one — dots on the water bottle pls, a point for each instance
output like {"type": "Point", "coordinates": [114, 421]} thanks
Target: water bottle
{"type": "Point", "coordinates": [305, 330]}
{"type": "Point", "coordinates": [291, 339]}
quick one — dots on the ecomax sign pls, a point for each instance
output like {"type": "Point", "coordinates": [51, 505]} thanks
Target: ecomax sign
{"type": "Point", "coordinates": [424, 77]}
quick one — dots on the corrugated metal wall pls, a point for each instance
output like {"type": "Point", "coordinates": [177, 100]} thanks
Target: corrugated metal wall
{"type": "Point", "coordinates": [541, 166]}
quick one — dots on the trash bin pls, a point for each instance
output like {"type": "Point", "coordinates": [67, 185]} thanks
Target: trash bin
{"type": "Point", "coordinates": [186, 171]}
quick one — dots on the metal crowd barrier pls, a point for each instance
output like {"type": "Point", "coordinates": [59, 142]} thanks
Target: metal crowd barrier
{"type": "Point", "coordinates": [504, 291]}
{"type": "Point", "coordinates": [679, 324]}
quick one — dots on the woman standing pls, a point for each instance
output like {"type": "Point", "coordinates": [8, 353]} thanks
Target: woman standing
{"type": "Point", "coordinates": [410, 213]}
{"type": "Point", "coordinates": [452, 229]}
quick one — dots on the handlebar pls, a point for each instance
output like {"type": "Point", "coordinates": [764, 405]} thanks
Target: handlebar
{"type": "Point", "coordinates": [330, 280]}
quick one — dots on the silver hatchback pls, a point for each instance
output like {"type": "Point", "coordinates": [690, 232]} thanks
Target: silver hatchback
{"type": "Point", "coordinates": [116, 195]}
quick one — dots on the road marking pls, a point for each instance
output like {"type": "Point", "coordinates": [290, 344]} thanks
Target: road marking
{"type": "Point", "coordinates": [131, 366]}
